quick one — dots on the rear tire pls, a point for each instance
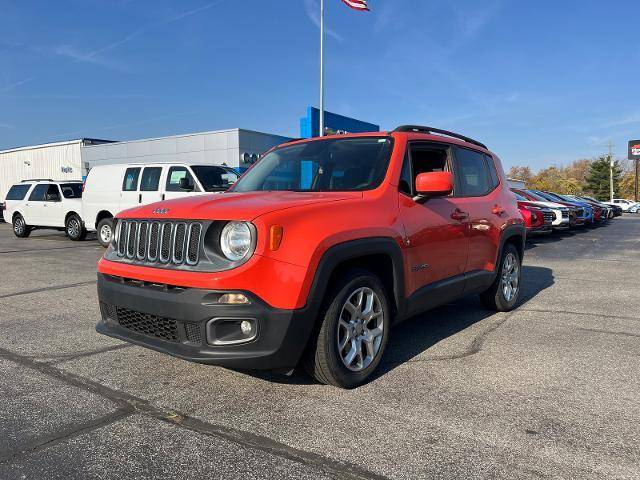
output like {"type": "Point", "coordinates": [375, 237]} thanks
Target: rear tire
{"type": "Point", "coordinates": [349, 342]}
{"type": "Point", "coordinates": [74, 228]}
{"type": "Point", "coordinates": [20, 227]}
{"type": "Point", "coordinates": [502, 295]}
{"type": "Point", "coordinates": [105, 231]}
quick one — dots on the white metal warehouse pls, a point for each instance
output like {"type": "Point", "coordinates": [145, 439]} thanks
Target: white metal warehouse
{"type": "Point", "coordinates": [58, 161]}
{"type": "Point", "coordinates": [72, 160]}
{"type": "Point", "coordinates": [237, 148]}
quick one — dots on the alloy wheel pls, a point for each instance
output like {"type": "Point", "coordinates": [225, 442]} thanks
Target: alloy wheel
{"type": "Point", "coordinates": [18, 226]}
{"type": "Point", "coordinates": [360, 329]}
{"type": "Point", "coordinates": [73, 228]}
{"type": "Point", "coordinates": [510, 280]}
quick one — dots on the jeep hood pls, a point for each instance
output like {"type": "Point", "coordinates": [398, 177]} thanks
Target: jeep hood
{"type": "Point", "coordinates": [233, 205]}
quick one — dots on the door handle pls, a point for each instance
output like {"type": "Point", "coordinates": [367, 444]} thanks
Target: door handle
{"type": "Point", "coordinates": [459, 214]}
{"type": "Point", "coordinates": [163, 197]}
{"type": "Point", "coordinates": [139, 198]}
{"type": "Point", "coordinates": [497, 210]}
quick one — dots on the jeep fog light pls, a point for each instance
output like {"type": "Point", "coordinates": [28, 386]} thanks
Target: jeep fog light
{"type": "Point", "coordinates": [231, 331]}
{"type": "Point", "coordinates": [246, 327]}
{"type": "Point", "coordinates": [234, 299]}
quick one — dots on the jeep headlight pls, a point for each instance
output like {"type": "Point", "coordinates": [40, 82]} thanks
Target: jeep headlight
{"type": "Point", "coordinates": [236, 241]}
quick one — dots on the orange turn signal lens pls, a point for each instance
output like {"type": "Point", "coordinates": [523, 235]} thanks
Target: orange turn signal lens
{"type": "Point", "coordinates": [275, 237]}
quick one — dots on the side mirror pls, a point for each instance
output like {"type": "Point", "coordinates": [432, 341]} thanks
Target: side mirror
{"type": "Point", "coordinates": [52, 197]}
{"type": "Point", "coordinates": [434, 184]}
{"type": "Point", "coordinates": [185, 184]}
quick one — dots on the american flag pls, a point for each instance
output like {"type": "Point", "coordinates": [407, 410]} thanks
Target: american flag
{"type": "Point", "coordinates": [357, 4]}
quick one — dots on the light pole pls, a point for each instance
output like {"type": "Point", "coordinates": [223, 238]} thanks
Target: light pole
{"type": "Point", "coordinates": [611, 171]}
{"type": "Point", "coordinates": [321, 68]}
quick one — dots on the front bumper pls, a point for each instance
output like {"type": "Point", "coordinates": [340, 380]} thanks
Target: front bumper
{"type": "Point", "coordinates": [175, 321]}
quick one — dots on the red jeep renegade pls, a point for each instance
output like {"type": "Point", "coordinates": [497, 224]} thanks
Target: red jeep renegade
{"type": "Point", "coordinates": [315, 253]}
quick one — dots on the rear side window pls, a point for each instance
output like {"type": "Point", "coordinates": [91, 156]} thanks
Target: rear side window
{"type": "Point", "coordinates": [71, 190]}
{"type": "Point", "coordinates": [493, 173]}
{"type": "Point", "coordinates": [150, 179]}
{"type": "Point", "coordinates": [18, 192]}
{"type": "Point", "coordinates": [130, 182]}
{"type": "Point", "coordinates": [39, 192]}
{"type": "Point", "coordinates": [473, 173]}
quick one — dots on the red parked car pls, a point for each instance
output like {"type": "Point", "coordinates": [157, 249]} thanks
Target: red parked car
{"type": "Point", "coordinates": [315, 253]}
{"type": "Point", "coordinates": [537, 218]}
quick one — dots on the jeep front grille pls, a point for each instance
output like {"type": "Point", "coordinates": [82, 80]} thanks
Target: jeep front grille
{"type": "Point", "coordinates": [167, 242]}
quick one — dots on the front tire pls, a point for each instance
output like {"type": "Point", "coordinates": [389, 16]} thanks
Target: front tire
{"type": "Point", "coordinates": [105, 231]}
{"type": "Point", "coordinates": [20, 227]}
{"type": "Point", "coordinates": [502, 295]}
{"type": "Point", "coordinates": [354, 328]}
{"type": "Point", "coordinates": [75, 229]}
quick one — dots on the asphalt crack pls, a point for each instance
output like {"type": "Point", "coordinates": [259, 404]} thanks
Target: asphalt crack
{"type": "Point", "coordinates": [130, 404]}
{"type": "Point", "coordinates": [47, 289]}
{"type": "Point", "coordinates": [610, 332]}
{"type": "Point", "coordinates": [584, 314]}
{"type": "Point", "coordinates": [57, 359]}
{"type": "Point", "coordinates": [47, 441]}
{"type": "Point", "coordinates": [28, 250]}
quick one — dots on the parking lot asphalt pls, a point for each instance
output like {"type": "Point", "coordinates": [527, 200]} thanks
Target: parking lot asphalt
{"type": "Point", "coordinates": [550, 390]}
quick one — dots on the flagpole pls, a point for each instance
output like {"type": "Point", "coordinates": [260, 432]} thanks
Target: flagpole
{"type": "Point", "coordinates": [321, 68]}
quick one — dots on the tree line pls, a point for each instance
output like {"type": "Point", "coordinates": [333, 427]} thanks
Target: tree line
{"type": "Point", "coordinates": [585, 176]}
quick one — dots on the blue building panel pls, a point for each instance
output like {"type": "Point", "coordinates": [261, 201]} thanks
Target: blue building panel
{"type": "Point", "coordinates": [310, 125]}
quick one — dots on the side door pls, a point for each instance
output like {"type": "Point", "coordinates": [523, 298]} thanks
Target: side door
{"type": "Point", "coordinates": [150, 185]}
{"type": "Point", "coordinates": [34, 213]}
{"type": "Point", "coordinates": [436, 240]}
{"type": "Point", "coordinates": [174, 183]}
{"type": "Point", "coordinates": [478, 195]}
{"type": "Point", "coordinates": [52, 207]}
{"type": "Point", "coordinates": [129, 196]}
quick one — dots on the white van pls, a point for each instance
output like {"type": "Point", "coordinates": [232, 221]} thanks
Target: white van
{"type": "Point", "coordinates": [109, 189]}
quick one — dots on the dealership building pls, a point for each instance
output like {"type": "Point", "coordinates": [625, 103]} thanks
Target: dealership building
{"type": "Point", "coordinates": [237, 148]}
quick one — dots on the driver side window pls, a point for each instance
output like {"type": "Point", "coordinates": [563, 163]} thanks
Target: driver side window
{"type": "Point", "coordinates": [174, 176]}
{"type": "Point", "coordinates": [422, 158]}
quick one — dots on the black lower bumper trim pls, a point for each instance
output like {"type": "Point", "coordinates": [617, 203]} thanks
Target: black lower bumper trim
{"type": "Point", "coordinates": [281, 340]}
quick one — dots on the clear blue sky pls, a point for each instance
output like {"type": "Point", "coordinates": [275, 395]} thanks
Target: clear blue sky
{"type": "Point", "coordinates": [541, 82]}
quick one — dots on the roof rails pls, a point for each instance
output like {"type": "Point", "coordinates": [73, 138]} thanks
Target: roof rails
{"type": "Point", "coordinates": [421, 129]}
{"type": "Point", "coordinates": [38, 180]}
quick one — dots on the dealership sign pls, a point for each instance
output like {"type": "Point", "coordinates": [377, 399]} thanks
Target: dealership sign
{"type": "Point", "coordinates": [634, 150]}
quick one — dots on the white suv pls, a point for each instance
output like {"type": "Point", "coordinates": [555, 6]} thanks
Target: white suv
{"type": "Point", "coordinates": [35, 204]}
{"type": "Point", "coordinates": [626, 205]}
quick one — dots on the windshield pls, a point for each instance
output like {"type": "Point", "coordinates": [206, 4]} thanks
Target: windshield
{"type": "Point", "coordinates": [547, 197]}
{"type": "Point", "coordinates": [71, 190]}
{"type": "Point", "coordinates": [533, 195]}
{"type": "Point", "coordinates": [214, 178]}
{"type": "Point", "coordinates": [332, 165]}
{"type": "Point", "coordinates": [520, 197]}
